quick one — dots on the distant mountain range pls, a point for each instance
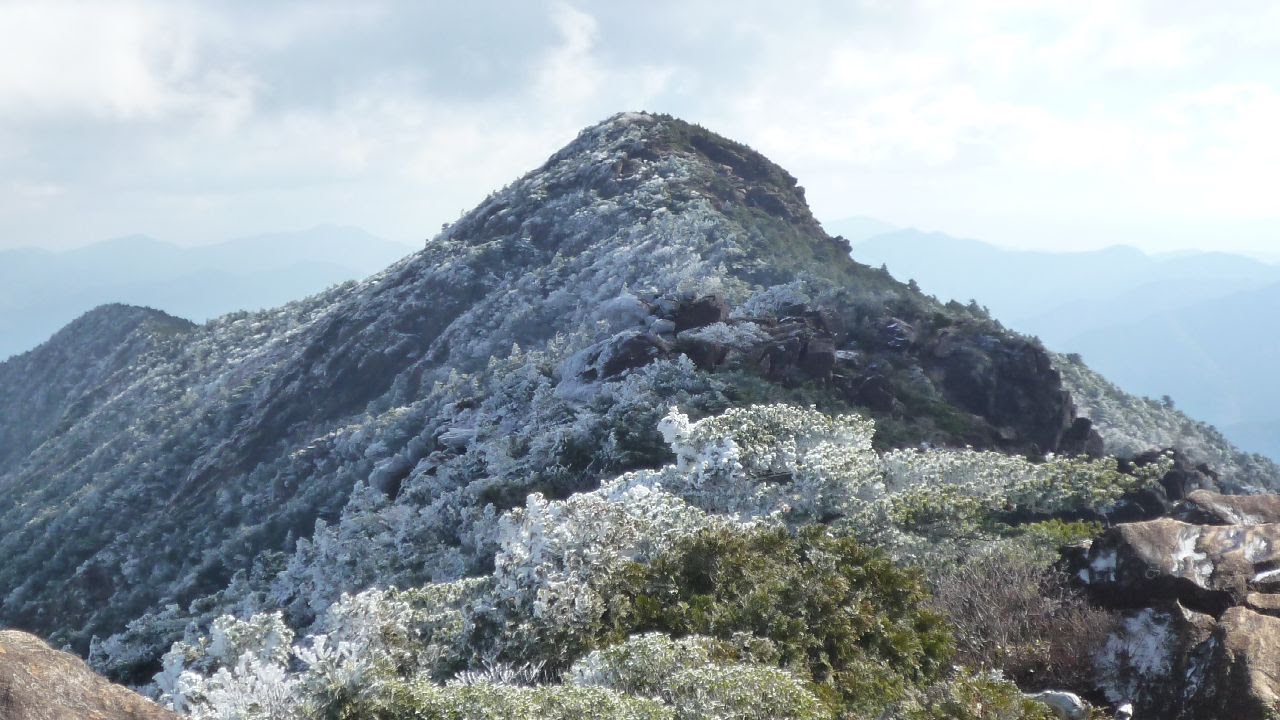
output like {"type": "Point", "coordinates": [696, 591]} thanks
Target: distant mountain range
{"type": "Point", "coordinates": [41, 291]}
{"type": "Point", "coordinates": [1197, 327]}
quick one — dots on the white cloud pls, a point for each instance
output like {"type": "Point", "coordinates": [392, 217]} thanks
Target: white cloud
{"type": "Point", "coordinates": [116, 60]}
{"type": "Point", "coordinates": [1046, 113]}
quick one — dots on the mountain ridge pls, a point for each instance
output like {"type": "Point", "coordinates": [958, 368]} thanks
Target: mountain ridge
{"type": "Point", "coordinates": [372, 434]}
{"type": "Point", "coordinates": [42, 290]}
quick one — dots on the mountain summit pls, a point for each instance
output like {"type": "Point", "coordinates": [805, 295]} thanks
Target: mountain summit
{"type": "Point", "coordinates": [373, 434]}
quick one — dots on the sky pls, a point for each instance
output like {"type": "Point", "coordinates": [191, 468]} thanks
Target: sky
{"type": "Point", "coordinates": [1038, 124]}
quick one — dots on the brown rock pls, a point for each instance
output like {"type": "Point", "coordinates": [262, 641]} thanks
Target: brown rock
{"type": "Point", "coordinates": [819, 358]}
{"type": "Point", "coordinates": [1265, 603]}
{"type": "Point", "coordinates": [1206, 567]}
{"type": "Point", "coordinates": [1213, 508]}
{"type": "Point", "coordinates": [1240, 679]}
{"type": "Point", "coordinates": [701, 312]}
{"type": "Point", "coordinates": [40, 683]}
{"type": "Point", "coordinates": [706, 354]}
{"type": "Point", "coordinates": [633, 352]}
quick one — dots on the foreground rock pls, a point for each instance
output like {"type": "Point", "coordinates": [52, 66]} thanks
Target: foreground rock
{"type": "Point", "coordinates": [1201, 638]}
{"type": "Point", "coordinates": [40, 683]}
{"type": "Point", "coordinates": [1238, 678]}
{"type": "Point", "coordinates": [1211, 508]}
{"type": "Point", "coordinates": [1205, 567]}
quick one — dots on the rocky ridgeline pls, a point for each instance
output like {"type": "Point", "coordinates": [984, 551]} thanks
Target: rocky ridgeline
{"type": "Point", "coordinates": [1200, 593]}
{"type": "Point", "coordinates": [40, 683]}
{"type": "Point", "coordinates": [998, 386]}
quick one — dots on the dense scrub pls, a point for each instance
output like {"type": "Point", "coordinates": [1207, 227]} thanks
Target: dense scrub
{"type": "Point", "coordinates": [711, 585]}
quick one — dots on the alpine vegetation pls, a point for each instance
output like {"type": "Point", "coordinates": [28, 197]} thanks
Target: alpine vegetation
{"type": "Point", "coordinates": [634, 438]}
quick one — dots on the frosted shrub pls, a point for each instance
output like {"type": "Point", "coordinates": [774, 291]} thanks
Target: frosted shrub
{"type": "Point", "coordinates": [699, 546]}
{"type": "Point", "coordinates": [643, 665]}
{"type": "Point", "coordinates": [418, 700]}
{"type": "Point", "coordinates": [683, 674]}
{"type": "Point", "coordinates": [771, 300]}
{"type": "Point", "coordinates": [769, 459]}
{"type": "Point", "coordinates": [554, 555]}
{"type": "Point", "coordinates": [740, 336]}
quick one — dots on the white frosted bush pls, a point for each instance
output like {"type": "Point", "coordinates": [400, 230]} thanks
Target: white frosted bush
{"type": "Point", "coordinates": [683, 674]}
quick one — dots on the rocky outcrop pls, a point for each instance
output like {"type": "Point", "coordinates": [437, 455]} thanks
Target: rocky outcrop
{"type": "Point", "coordinates": [1236, 669]}
{"type": "Point", "coordinates": [1201, 634]}
{"type": "Point", "coordinates": [40, 683]}
{"type": "Point", "coordinates": [1211, 508]}
{"type": "Point", "coordinates": [1207, 567]}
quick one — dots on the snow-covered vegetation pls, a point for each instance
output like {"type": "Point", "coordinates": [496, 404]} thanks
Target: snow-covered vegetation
{"type": "Point", "coordinates": [1130, 425]}
{"type": "Point", "coordinates": [577, 581]}
{"type": "Point", "coordinates": [635, 421]}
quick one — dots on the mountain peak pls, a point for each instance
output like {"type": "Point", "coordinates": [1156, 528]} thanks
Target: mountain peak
{"type": "Point", "coordinates": [634, 169]}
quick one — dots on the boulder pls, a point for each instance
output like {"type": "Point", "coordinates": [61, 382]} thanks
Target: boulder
{"type": "Point", "coordinates": [633, 352]}
{"type": "Point", "coordinates": [1065, 705]}
{"type": "Point", "coordinates": [698, 313]}
{"type": "Point", "coordinates": [705, 353]}
{"type": "Point", "coordinates": [1206, 567]}
{"type": "Point", "coordinates": [1238, 676]}
{"type": "Point", "coordinates": [1082, 439]}
{"type": "Point", "coordinates": [818, 358]}
{"type": "Point", "coordinates": [1161, 499]}
{"type": "Point", "coordinates": [40, 683]}
{"type": "Point", "coordinates": [1151, 658]}
{"type": "Point", "coordinates": [1211, 508]}
{"type": "Point", "coordinates": [1265, 603]}
{"type": "Point", "coordinates": [874, 392]}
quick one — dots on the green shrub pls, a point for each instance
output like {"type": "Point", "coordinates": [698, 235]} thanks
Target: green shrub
{"type": "Point", "coordinates": [836, 612]}
{"type": "Point", "coordinates": [423, 700]}
{"type": "Point", "coordinates": [685, 675]}
{"type": "Point", "coordinates": [971, 696]}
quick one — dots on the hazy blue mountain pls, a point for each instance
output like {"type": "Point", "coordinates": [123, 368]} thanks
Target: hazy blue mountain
{"type": "Point", "coordinates": [858, 228]}
{"type": "Point", "coordinates": [1216, 358]}
{"type": "Point", "coordinates": [40, 291]}
{"type": "Point", "coordinates": [1193, 326]}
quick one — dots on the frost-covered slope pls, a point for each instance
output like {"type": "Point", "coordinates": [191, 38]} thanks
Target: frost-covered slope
{"type": "Point", "coordinates": [372, 434]}
{"type": "Point", "coordinates": [1130, 425]}
{"type": "Point", "coordinates": [44, 391]}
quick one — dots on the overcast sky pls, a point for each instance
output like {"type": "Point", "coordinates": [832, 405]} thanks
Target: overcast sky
{"type": "Point", "coordinates": [1028, 123]}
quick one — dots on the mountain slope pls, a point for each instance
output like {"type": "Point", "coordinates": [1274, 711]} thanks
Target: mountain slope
{"type": "Point", "coordinates": [82, 357]}
{"type": "Point", "coordinates": [40, 291]}
{"type": "Point", "coordinates": [373, 433]}
{"type": "Point", "coordinates": [1217, 359]}
{"type": "Point", "coordinates": [1184, 326]}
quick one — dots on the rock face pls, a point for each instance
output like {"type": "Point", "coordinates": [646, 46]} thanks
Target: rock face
{"type": "Point", "coordinates": [1201, 635]}
{"type": "Point", "coordinates": [1206, 567]}
{"type": "Point", "coordinates": [1237, 667]}
{"type": "Point", "coordinates": [40, 683]}
{"type": "Point", "coordinates": [1211, 508]}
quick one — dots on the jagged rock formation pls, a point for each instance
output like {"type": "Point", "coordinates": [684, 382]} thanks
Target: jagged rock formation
{"type": "Point", "coordinates": [40, 683]}
{"type": "Point", "coordinates": [1205, 637]}
{"type": "Point", "coordinates": [372, 434]}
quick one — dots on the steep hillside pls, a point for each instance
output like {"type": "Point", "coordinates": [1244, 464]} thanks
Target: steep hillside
{"type": "Point", "coordinates": [1183, 326]}
{"type": "Point", "coordinates": [375, 434]}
